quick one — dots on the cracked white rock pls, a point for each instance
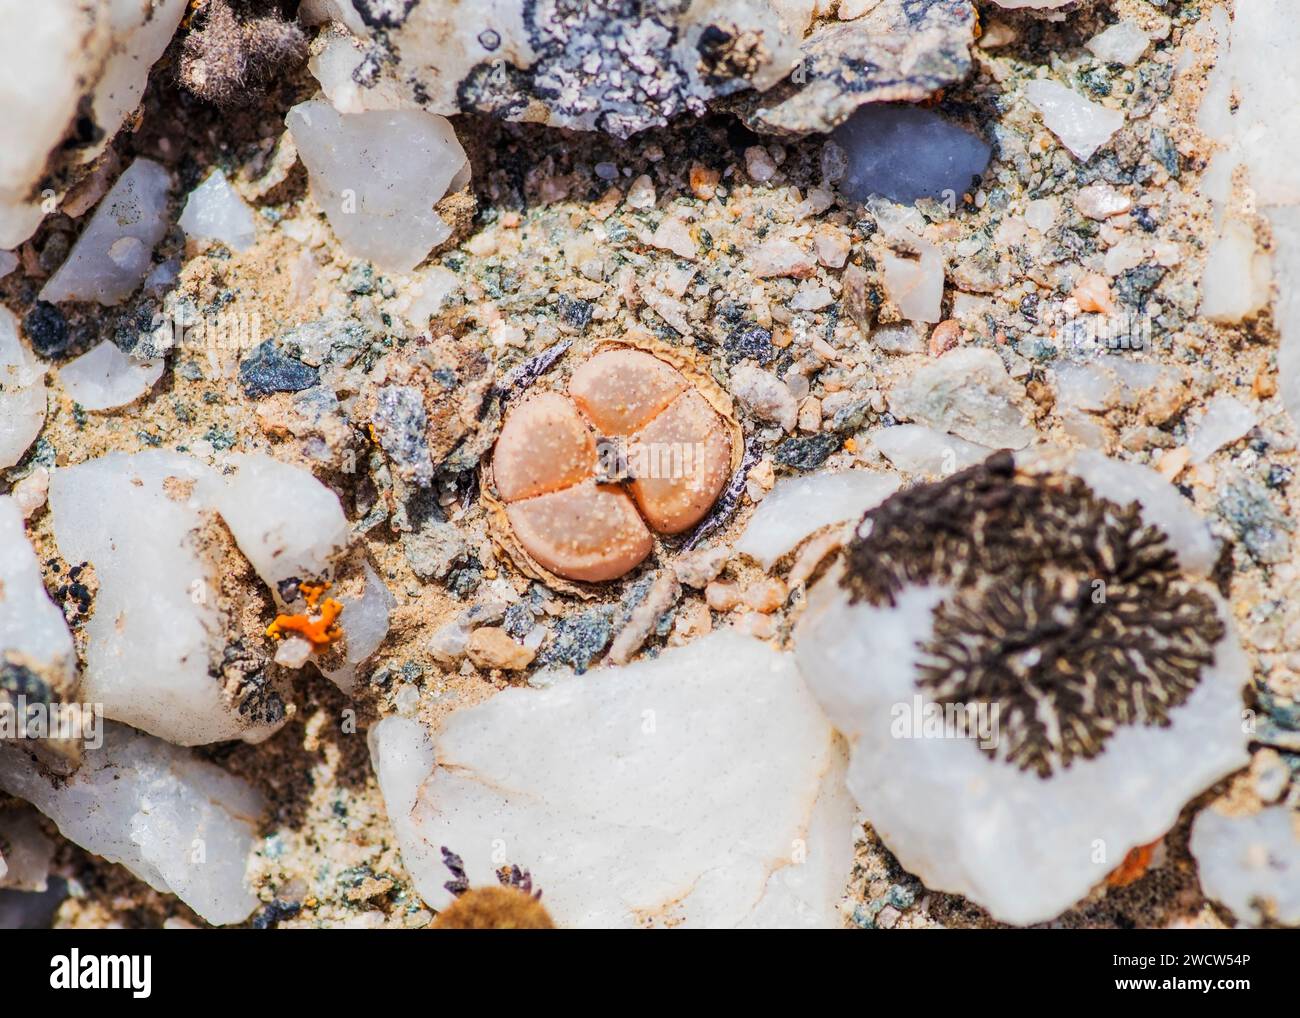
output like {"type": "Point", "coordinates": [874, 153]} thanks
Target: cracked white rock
{"type": "Point", "coordinates": [180, 824]}
{"type": "Point", "coordinates": [1023, 846]}
{"type": "Point", "coordinates": [702, 789]}
{"type": "Point", "coordinates": [377, 175]}
{"type": "Point", "coordinates": [610, 67]}
{"type": "Point", "coordinates": [104, 378]}
{"type": "Point", "coordinates": [33, 633]}
{"type": "Point", "coordinates": [115, 250]}
{"type": "Point", "coordinates": [287, 523]}
{"type": "Point", "coordinates": [149, 660]}
{"type": "Point", "coordinates": [22, 393]}
{"type": "Point", "coordinates": [798, 506]}
{"type": "Point", "coordinates": [1251, 863]}
{"type": "Point", "coordinates": [62, 60]}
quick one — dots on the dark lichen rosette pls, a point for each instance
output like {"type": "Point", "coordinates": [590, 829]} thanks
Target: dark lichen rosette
{"type": "Point", "coordinates": [1036, 673]}
{"type": "Point", "coordinates": [1068, 610]}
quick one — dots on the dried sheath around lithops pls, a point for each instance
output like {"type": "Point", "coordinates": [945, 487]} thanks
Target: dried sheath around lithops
{"type": "Point", "coordinates": [1034, 671]}
{"type": "Point", "coordinates": [582, 479]}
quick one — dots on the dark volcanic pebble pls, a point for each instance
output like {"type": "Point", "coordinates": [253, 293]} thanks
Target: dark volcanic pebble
{"type": "Point", "coordinates": [267, 370]}
{"type": "Point", "coordinates": [47, 329]}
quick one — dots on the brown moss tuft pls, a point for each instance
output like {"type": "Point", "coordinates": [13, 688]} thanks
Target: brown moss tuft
{"type": "Point", "coordinates": [232, 50]}
{"type": "Point", "coordinates": [494, 908]}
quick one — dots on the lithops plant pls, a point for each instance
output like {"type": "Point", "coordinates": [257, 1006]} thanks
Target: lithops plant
{"type": "Point", "coordinates": [583, 479]}
{"type": "Point", "coordinates": [1034, 672]}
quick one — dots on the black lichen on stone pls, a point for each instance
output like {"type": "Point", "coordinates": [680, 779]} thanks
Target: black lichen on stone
{"type": "Point", "coordinates": [267, 370]}
{"type": "Point", "coordinates": [807, 452]}
{"type": "Point", "coordinates": [1068, 612]}
{"type": "Point", "coordinates": [578, 640]}
{"type": "Point", "coordinates": [497, 88]}
{"type": "Point", "coordinates": [402, 424]}
{"type": "Point", "coordinates": [75, 597]}
{"type": "Point", "coordinates": [613, 65]}
{"type": "Point", "coordinates": [19, 680]}
{"type": "Point", "coordinates": [749, 341]}
{"type": "Point", "coordinates": [897, 52]}
{"type": "Point", "coordinates": [575, 311]}
{"type": "Point", "coordinates": [384, 13]}
{"type": "Point", "coordinates": [245, 674]}
{"type": "Point", "coordinates": [1134, 286]}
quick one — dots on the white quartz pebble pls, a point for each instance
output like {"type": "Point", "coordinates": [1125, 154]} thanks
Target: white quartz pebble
{"type": "Point", "coordinates": [797, 506]}
{"type": "Point", "coordinates": [215, 211]}
{"type": "Point", "coordinates": [1225, 420]}
{"type": "Point", "coordinates": [22, 393]}
{"type": "Point", "coordinates": [1122, 43]}
{"type": "Point", "coordinates": [378, 175]}
{"type": "Point", "coordinates": [1251, 863]}
{"type": "Point", "coordinates": [916, 284]}
{"type": "Point", "coordinates": [702, 788]}
{"type": "Point", "coordinates": [114, 252]}
{"type": "Point", "coordinates": [32, 630]}
{"type": "Point", "coordinates": [918, 449]}
{"type": "Point", "coordinates": [63, 60]}
{"type": "Point", "coordinates": [179, 823]}
{"type": "Point", "coordinates": [104, 377]}
{"type": "Point", "coordinates": [1082, 125]}
{"type": "Point", "coordinates": [138, 519]}
{"type": "Point", "coordinates": [284, 520]}
{"type": "Point", "coordinates": [365, 623]}
{"type": "Point", "coordinates": [1023, 846]}
{"type": "Point", "coordinates": [764, 395]}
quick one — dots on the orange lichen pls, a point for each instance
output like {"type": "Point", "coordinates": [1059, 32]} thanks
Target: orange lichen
{"type": "Point", "coordinates": [319, 630]}
{"type": "Point", "coordinates": [311, 592]}
{"type": "Point", "coordinates": [1134, 866]}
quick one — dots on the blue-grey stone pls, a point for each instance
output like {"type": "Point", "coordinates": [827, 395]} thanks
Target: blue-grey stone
{"type": "Point", "coordinates": [267, 370]}
{"type": "Point", "coordinates": [905, 152]}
